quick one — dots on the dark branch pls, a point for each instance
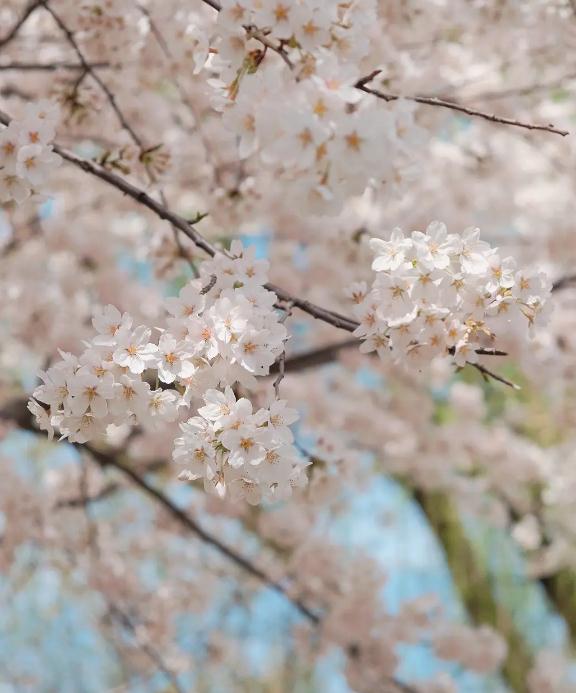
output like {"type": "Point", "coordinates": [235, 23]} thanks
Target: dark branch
{"type": "Point", "coordinates": [13, 32]}
{"type": "Point", "coordinates": [89, 69]}
{"type": "Point", "coordinates": [564, 282]}
{"type": "Point", "coordinates": [17, 412]}
{"type": "Point", "coordinates": [49, 67]}
{"type": "Point", "coordinates": [362, 85]}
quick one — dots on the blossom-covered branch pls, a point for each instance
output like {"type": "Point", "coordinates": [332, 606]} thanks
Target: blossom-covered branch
{"type": "Point", "coordinates": [164, 347]}
{"type": "Point", "coordinates": [282, 17]}
{"type": "Point", "coordinates": [188, 229]}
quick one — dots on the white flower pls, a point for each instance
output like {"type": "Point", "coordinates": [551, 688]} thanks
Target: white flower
{"type": "Point", "coordinates": [437, 293]}
{"type": "Point", "coordinates": [253, 353]}
{"type": "Point", "coordinates": [528, 283]}
{"type": "Point", "coordinates": [220, 333]}
{"type": "Point", "coordinates": [81, 429]}
{"type": "Point", "coordinates": [472, 252]}
{"type": "Point", "coordinates": [108, 321]}
{"type": "Point", "coordinates": [134, 351]}
{"type": "Point", "coordinates": [434, 248]}
{"type": "Point", "coordinates": [90, 392]}
{"type": "Point", "coordinates": [501, 272]}
{"type": "Point", "coordinates": [27, 158]}
{"type": "Point", "coordinates": [465, 352]}
{"type": "Point", "coordinates": [276, 14]}
{"type": "Point", "coordinates": [244, 444]}
{"type": "Point", "coordinates": [393, 293]}
{"type": "Point", "coordinates": [54, 391]}
{"type": "Point", "coordinates": [131, 395]}
{"type": "Point", "coordinates": [225, 410]}
{"type": "Point", "coordinates": [279, 417]}
{"type": "Point", "coordinates": [240, 118]}
{"type": "Point", "coordinates": [311, 24]}
{"type": "Point", "coordinates": [378, 341]}
{"type": "Point", "coordinates": [41, 417]}
{"type": "Point", "coordinates": [35, 163]}
{"type": "Point", "coordinates": [160, 407]}
{"type": "Point", "coordinates": [44, 112]}
{"type": "Point", "coordinates": [299, 142]}
{"type": "Point", "coordinates": [202, 337]}
{"type": "Point", "coordinates": [12, 187]}
{"type": "Point", "coordinates": [188, 303]}
{"type": "Point", "coordinates": [172, 359]}
{"type": "Point", "coordinates": [226, 443]}
{"type": "Point", "coordinates": [230, 318]}
{"type": "Point", "coordinates": [390, 255]}
{"type": "Point", "coordinates": [195, 449]}
{"type": "Point", "coordinates": [9, 146]}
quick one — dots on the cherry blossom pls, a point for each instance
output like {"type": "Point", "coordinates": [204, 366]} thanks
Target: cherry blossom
{"type": "Point", "coordinates": [27, 159]}
{"type": "Point", "coordinates": [435, 292]}
{"type": "Point", "coordinates": [193, 391]}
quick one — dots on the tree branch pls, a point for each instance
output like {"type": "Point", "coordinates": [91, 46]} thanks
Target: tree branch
{"type": "Point", "coordinates": [49, 67]}
{"type": "Point", "coordinates": [185, 520]}
{"type": "Point", "coordinates": [255, 33]}
{"type": "Point", "coordinates": [564, 282]}
{"type": "Point", "coordinates": [151, 652]}
{"type": "Point", "coordinates": [89, 69]}
{"type": "Point", "coordinates": [17, 412]}
{"type": "Point", "coordinates": [186, 227]}
{"type": "Point", "coordinates": [13, 32]}
{"type": "Point", "coordinates": [490, 374]}
{"type": "Point", "coordinates": [362, 85]}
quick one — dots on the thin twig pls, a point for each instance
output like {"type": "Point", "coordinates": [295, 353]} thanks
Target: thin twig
{"type": "Point", "coordinates": [181, 516]}
{"type": "Point", "coordinates": [13, 32]}
{"type": "Point", "coordinates": [210, 285]}
{"type": "Point", "coordinates": [314, 357]}
{"type": "Point", "coordinates": [91, 526]}
{"type": "Point", "coordinates": [183, 225]}
{"type": "Point", "coordinates": [564, 282]}
{"type": "Point", "coordinates": [18, 412]}
{"type": "Point", "coordinates": [86, 499]}
{"type": "Point", "coordinates": [95, 76]}
{"type": "Point", "coordinates": [150, 651]}
{"type": "Point", "coordinates": [330, 352]}
{"type": "Point", "coordinates": [49, 67]}
{"type": "Point", "coordinates": [10, 90]}
{"type": "Point", "coordinates": [281, 363]}
{"type": "Point", "coordinates": [362, 85]}
{"type": "Point", "coordinates": [490, 374]}
{"type": "Point", "coordinates": [255, 33]}
{"type": "Point", "coordinates": [89, 70]}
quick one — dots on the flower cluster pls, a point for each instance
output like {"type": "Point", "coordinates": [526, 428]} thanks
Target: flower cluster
{"type": "Point", "coordinates": [306, 25]}
{"type": "Point", "coordinates": [437, 293]}
{"type": "Point", "coordinates": [86, 394]}
{"type": "Point", "coordinates": [325, 139]}
{"type": "Point", "coordinates": [248, 454]}
{"type": "Point", "coordinates": [26, 155]}
{"type": "Point", "coordinates": [222, 329]}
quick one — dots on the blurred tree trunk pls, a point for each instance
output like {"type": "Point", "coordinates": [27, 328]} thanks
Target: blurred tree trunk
{"type": "Point", "coordinates": [474, 584]}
